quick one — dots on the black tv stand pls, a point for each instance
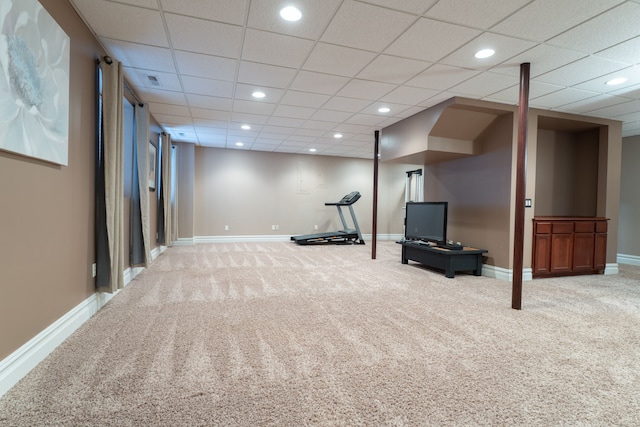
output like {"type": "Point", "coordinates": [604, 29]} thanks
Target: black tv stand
{"type": "Point", "coordinates": [449, 260]}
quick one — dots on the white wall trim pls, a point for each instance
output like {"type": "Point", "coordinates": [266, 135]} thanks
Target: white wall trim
{"type": "Point", "coordinates": [267, 238]}
{"type": "Point", "coordinates": [20, 362]}
{"type": "Point", "coordinates": [628, 259]}
{"type": "Point", "coordinates": [505, 274]}
{"type": "Point", "coordinates": [184, 241]}
{"type": "Point", "coordinates": [611, 268]}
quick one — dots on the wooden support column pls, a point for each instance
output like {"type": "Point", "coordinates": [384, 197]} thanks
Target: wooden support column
{"type": "Point", "coordinates": [521, 172]}
{"type": "Point", "coordinates": [374, 223]}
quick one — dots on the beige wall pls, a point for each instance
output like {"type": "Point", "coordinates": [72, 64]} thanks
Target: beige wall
{"type": "Point", "coordinates": [566, 173]}
{"type": "Point", "coordinates": [478, 189]}
{"type": "Point", "coordinates": [251, 191]}
{"type": "Point", "coordinates": [629, 234]}
{"type": "Point", "coordinates": [47, 214]}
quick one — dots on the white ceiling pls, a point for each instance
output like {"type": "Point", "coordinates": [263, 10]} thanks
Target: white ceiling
{"type": "Point", "coordinates": [333, 69]}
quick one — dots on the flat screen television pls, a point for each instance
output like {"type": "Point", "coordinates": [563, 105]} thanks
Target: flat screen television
{"type": "Point", "coordinates": [426, 221]}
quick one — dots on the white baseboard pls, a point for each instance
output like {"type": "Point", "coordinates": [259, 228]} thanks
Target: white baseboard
{"type": "Point", "coordinates": [20, 362]}
{"type": "Point", "coordinates": [505, 274]}
{"type": "Point", "coordinates": [265, 238]}
{"type": "Point", "coordinates": [611, 268]}
{"type": "Point", "coordinates": [628, 259]}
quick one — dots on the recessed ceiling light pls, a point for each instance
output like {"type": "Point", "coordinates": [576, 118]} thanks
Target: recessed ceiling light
{"type": "Point", "coordinates": [258, 94]}
{"type": "Point", "coordinates": [484, 53]}
{"type": "Point", "coordinates": [290, 13]}
{"type": "Point", "coordinates": [245, 127]}
{"type": "Point", "coordinates": [239, 144]}
{"type": "Point", "coordinates": [616, 81]}
{"type": "Point", "coordinates": [384, 110]}
{"type": "Point", "coordinates": [313, 150]}
{"type": "Point", "coordinates": [337, 135]}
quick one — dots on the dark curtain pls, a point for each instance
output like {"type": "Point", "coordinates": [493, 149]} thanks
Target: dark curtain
{"type": "Point", "coordinates": [103, 261]}
{"type": "Point", "coordinates": [136, 238]}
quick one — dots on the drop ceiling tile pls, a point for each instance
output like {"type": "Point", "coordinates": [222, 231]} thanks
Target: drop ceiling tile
{"type": "Point", "coordinates": [282, 132]}
{"type": "Point", "coordinates": [351, 105]}
{"type": "Point", "coordinates": [505, 48]}
{"type": "Point", "coordinates": [395, 109]}
{"type": "Point", "coordinates": [237, 126]}
{"type": "Point", "coordinates": [285, 121]}
{"type": "Point", "coordinates": [484, 85]}
{"type": "Point", "coordinates": [209, 102]}
{"type": "Point", "coordinates": [365, 89]}
{"type": "Point", "coordinates": [366, 119]}
{"type": "Point", "coordinates": [364, 26]}
{"type": "Point", "coordinates": [207, 66]}
{"type": "Point", "coordinates": [252, 119]}
{"type": "Point", "coordinates": [628, 51]}
{"type": "Point", "coordinates": [134, 55]}
{"type": "Point", "coordinates": [294, 112]}
{"type": "Point", "coordinates": [543, 58]}
{"type": "Point", "coordinates": [208, 115]}
{"type": "Point", "coordinates": [612, 27]}
{"type": "Point", "coordinates": [331, 59]}
{"type": "Point", "coordinates": [161, 96]}
{"type": "Point", "coordinates": [599, 84]}
{"type": "Point", "coordinates": [321, 125]}
{"type": "Point", "coordinates": [417, 7]}
{"type": "Point", "coordinates": [580, 71]}
{"type": "Point", "coordinates": [476, 14]}
{"type": "Point", "coordinates": [272, 95]}
{"type": "Point", "coordinates": [308, 81]}
{"type": "Point", "coordinates": [231, 12]}
{"type": "Point", "coordinates": [536, 90]}
{"type": "Point", "coordinates": [187, 34]}
{"type": "Point", "coordinates": [217, 127]}
{"type": "Point", "coordinates": [618, 109]}
{"type": "Point", "coordinates": [149, 4]}
{"type": "Point", "coordinates": [541, 20]}
{"type": "Point", "coordinates": [408, 95]}
{"type": "Point", "coordinates": [392, 69]}
{"type": "Point", "coordinates": [273, 137]}
{"type": "Point", "coordinates": [260, 145]}
{"type": "Point", "coordinates": [309, 132]}
{"type": "Point", "coordinates": [265, 75]}
{"type": "Point", "coordinates": [174, 110]}
{"type": "Point", "coordinates": [300, 140]}
{"type": "Point", "coordinates": [632, 92]}
{"type": "Point", "coordinates": [304, 99]}
{"type": "Point", "coordinates": [253, 107]}
{"type": "Point", "coordinates": [561, 98]}
{"type": "Point", "coordinates": [316, 15]}
{"type": "Point", "coordinates": [125, 23]}
{"type": "Point", "coordinates": [208, 87]}
{"type": "Point", "coordinates": [173, 120]}
{"type": "Point", "coordinates": [441, 77]}
{"type": "Point", "coordinates": [276, 49]}
{"type": "Point", "coordinates": [597, 102]}
{"type": "Point", "coordinates": [431, 40]}
{"type": "Point", "coordinates": [325, 115]}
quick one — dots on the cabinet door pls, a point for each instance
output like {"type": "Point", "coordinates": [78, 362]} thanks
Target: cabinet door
{"type": "Point", "coordinates": [541, 253]}
{"type": "Point", "coordinates": [600, 255]}
{"type": "Point", "coordinates": [561, 252]}
{"type": "Point", "coordinates": [583, 251]}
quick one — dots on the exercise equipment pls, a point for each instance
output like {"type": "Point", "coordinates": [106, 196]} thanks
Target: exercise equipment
{"type": "Point", "coordinates": [344, 237]}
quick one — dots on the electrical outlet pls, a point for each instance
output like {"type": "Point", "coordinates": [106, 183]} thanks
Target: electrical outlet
{"type": "Point", "coordinates": [527, 203]}
{"type": "Point", "coordinates": [273, 227]}
{"type": "Point", "coordinates": [277, 227]}
{"type": "Point", "coordinates": [94, 270]}
{"type": "Point", "coordinates": [226, 228]}
{"type": "Point", "coordinates": [315, 227]}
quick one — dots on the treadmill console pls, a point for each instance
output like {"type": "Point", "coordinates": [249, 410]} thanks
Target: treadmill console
{"type": "Point", "coordinates": [350, 198]}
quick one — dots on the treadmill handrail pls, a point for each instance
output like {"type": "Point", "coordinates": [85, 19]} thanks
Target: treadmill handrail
{"type": "Point", "coordinates": [347, 200]}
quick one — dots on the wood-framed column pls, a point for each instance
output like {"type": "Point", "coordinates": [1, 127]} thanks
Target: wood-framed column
{"type": "Point", "coordinates": [521, 172]}
{"type": "Point", "coordinates": [374, 222]}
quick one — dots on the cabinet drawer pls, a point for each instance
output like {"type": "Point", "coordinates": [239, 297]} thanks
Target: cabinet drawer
{"type": "Point", "coordinates": [585, 226]}
{"type": "Point", "coordinates": [562, 227]}
{"type": "Point", "coordinates": [601, 227]}
{"type": "Point", "coordinates": [543, 228]}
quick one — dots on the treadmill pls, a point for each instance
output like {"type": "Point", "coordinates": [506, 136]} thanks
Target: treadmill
{"type": "Point", "coordinates": [344, 237]}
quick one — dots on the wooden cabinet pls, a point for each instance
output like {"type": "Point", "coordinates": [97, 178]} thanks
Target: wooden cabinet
{"type": "Point", "coordinates": [565, 246]}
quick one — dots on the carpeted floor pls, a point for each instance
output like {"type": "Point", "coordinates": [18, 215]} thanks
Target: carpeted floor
{"type": "Point", "coordinates": [275, 334]}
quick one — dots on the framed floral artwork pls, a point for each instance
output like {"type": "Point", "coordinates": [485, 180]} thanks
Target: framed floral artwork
{"type": "Point", "coordinates": [34, 82]}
